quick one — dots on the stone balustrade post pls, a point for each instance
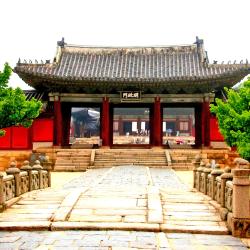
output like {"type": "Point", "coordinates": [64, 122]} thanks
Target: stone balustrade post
{"type": "Point", "coordinates": [37, 166]}
{"type": "Point", "coordinates": [226, 176]}
{"type": "Point", "coordinates": [241, 163]}
{"type": "Point", "coordinates": [207, 170]}
{"type": "Point", "coordinates": [13, 170]}
{"type": "Point", "coordinates": [196, 164]}
{"type": "Point", "coordinates": [199, 175]}
{"type": "Point", "coordinates": [241, 203]}
{"type": "Point", "coordinates": [216, 172]}
{"type": "Point", "coordinates": [26, 167]}
{"type": "Point", "coordinates": [47, 165]}
{"type": "Point", "coordinates": [1, 193]}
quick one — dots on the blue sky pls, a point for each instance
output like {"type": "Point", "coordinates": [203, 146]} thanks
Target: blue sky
{"type": "Point", "coordinates": [30, 29]}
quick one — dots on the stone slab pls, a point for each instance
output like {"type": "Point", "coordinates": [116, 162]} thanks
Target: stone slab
{"type": "Point", "coordinates": [58, 226]}
{"type": "Point", "coordinates": [24, 225]}
{"type": "Point", "coordinates": [134, 218]}
{"type": "Point", "coordinates": [95, 218]}
{"type": "Point", "coordinates": [113, 203]}
{"type": "Point", "coordinates": [195, 229]}
{"type": "Point", "coordinates": [121, 212]}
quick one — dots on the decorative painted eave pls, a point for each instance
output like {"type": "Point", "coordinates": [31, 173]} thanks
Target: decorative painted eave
{"type": "Point", "coordinates": [38, 95]}
{"type": "Point", "coordinates": [141, 66]}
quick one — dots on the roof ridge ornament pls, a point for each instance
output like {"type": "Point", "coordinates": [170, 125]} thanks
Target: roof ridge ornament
{"type": "Point", "coordinates": [199, 41]}
{"type": "Point", "coordinates": [200, 48]}
{"type": "Point", "coordinates": [61, 43]}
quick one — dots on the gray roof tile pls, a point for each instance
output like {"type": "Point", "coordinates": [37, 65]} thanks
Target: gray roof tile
{"type": "Point", "coordinates": [151, 64]}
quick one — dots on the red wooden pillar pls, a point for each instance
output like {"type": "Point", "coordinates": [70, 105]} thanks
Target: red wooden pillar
{"type": "Point", "coordinates": [58, 121]}
{"type": "Point", "coordinates": [206, 122]}
{"type": "Point", "coordinates": [66, 125]}
{"type": "Point", "coordinates": [105, 133]}
{"type": "Point", "coordinates": [157, 128]}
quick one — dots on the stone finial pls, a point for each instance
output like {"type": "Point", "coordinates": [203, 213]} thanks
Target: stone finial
{"type": "Point", "coordinates": [217, 166]}
{"type": "Point", "coordinates": [46, 158]}
{"type": "Point", "coordinates": [208, 165]}
{"type": "Point", "coordinates": [13, 169]}
{"type": "Point", "coordinates": [227, 173]}
{"type": "Point", "coordinates": [197, 158]}
{"type": "Point", "coordinates": [217, 170]}
{"type": "Point", "coordinates": [227, 169]}
{"type": "Point", "coordinates": [37, 165]}
{"type": "Point", "coordinates": [202, 164]}
{"type": "Point", "coordinates": [241, 163]}
{"type": "Point", "coordinates": [61, 43]}
{"type": "Point", "coordinates": [208, 168]}
{"type": "Point", "coordinates": [26, 166]}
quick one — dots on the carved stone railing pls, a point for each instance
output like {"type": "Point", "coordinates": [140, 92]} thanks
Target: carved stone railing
{"type": "Point", "coordinates": [19, 181]}
{"type": "Point", "coordinates": [229, 196]}
{"type": "Point", "coordinates": [229, 193]}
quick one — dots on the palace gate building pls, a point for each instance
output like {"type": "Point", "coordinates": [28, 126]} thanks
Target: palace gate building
{"type": "Point", "coordinates": [125, 97]}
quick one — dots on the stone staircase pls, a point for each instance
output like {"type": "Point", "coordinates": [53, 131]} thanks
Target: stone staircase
{"type": "Point", "coordinates": [72, 159]}
{"type": "Point", "coordinates": [181, 159]}
{"type": "Point", "coordinates": [119, 157]}
{"type": "Point", "coordinates": [178, 159]}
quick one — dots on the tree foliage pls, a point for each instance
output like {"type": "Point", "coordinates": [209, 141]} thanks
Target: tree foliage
{"type": "Point", "coordinates": [234, 118]}
{"type": "Point", "coordinates": [14, 109]}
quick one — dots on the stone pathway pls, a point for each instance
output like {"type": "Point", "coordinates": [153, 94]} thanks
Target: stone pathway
{"type": "Point", "coordinates": [129, 198]}
{"type": "Point", "coordinates": [118, 198]}
{"type": "Point", "coordinates": [115, 240]}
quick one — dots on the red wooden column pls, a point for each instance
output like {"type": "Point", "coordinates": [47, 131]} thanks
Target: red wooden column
{"type": "Point", "coordinates": [58, 121]}
{"type": "Point", "coordinates": [105, 133]}
{"type": "Point", "coordinates": [206, 122]}
{"type": "Point", "coordinates": [157, 128]}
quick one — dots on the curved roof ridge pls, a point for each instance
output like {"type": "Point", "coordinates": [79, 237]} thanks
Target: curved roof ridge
{"type": "Point", "coordinates": [128, 47]}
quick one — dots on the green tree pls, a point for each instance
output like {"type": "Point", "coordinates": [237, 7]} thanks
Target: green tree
{"type": "Point", "coordinates": [14, 109]}
{"type": "Point", "coordinates": [234, 118]}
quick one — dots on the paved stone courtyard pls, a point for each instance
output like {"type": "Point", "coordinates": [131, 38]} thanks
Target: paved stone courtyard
{"type": "Point", "coordinates": [116, 240]}
{"type": "Point", "coordinates": [124, 207]}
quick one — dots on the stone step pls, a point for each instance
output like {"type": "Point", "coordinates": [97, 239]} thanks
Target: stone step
{"type": "Point", "coordinates": [182, 166]}
{"type": "Point", "coordinates": [134, 164]}
{"type": "Point", "coordinates": [124, 159]}
{"type": "Point", "coordinates": [73, 155]}
{"type": "Point", "coordinates": [130, 153]}
{"type": "Point", "coordinates": [69, 165]}
{"type": "Point", "coordinates": [70, 168]}
{"type": "Point", "coordinates": [72, 161]}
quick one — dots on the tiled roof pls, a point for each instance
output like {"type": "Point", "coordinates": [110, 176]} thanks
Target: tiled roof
{"type": "Point", "coordinates": [132, 64]}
